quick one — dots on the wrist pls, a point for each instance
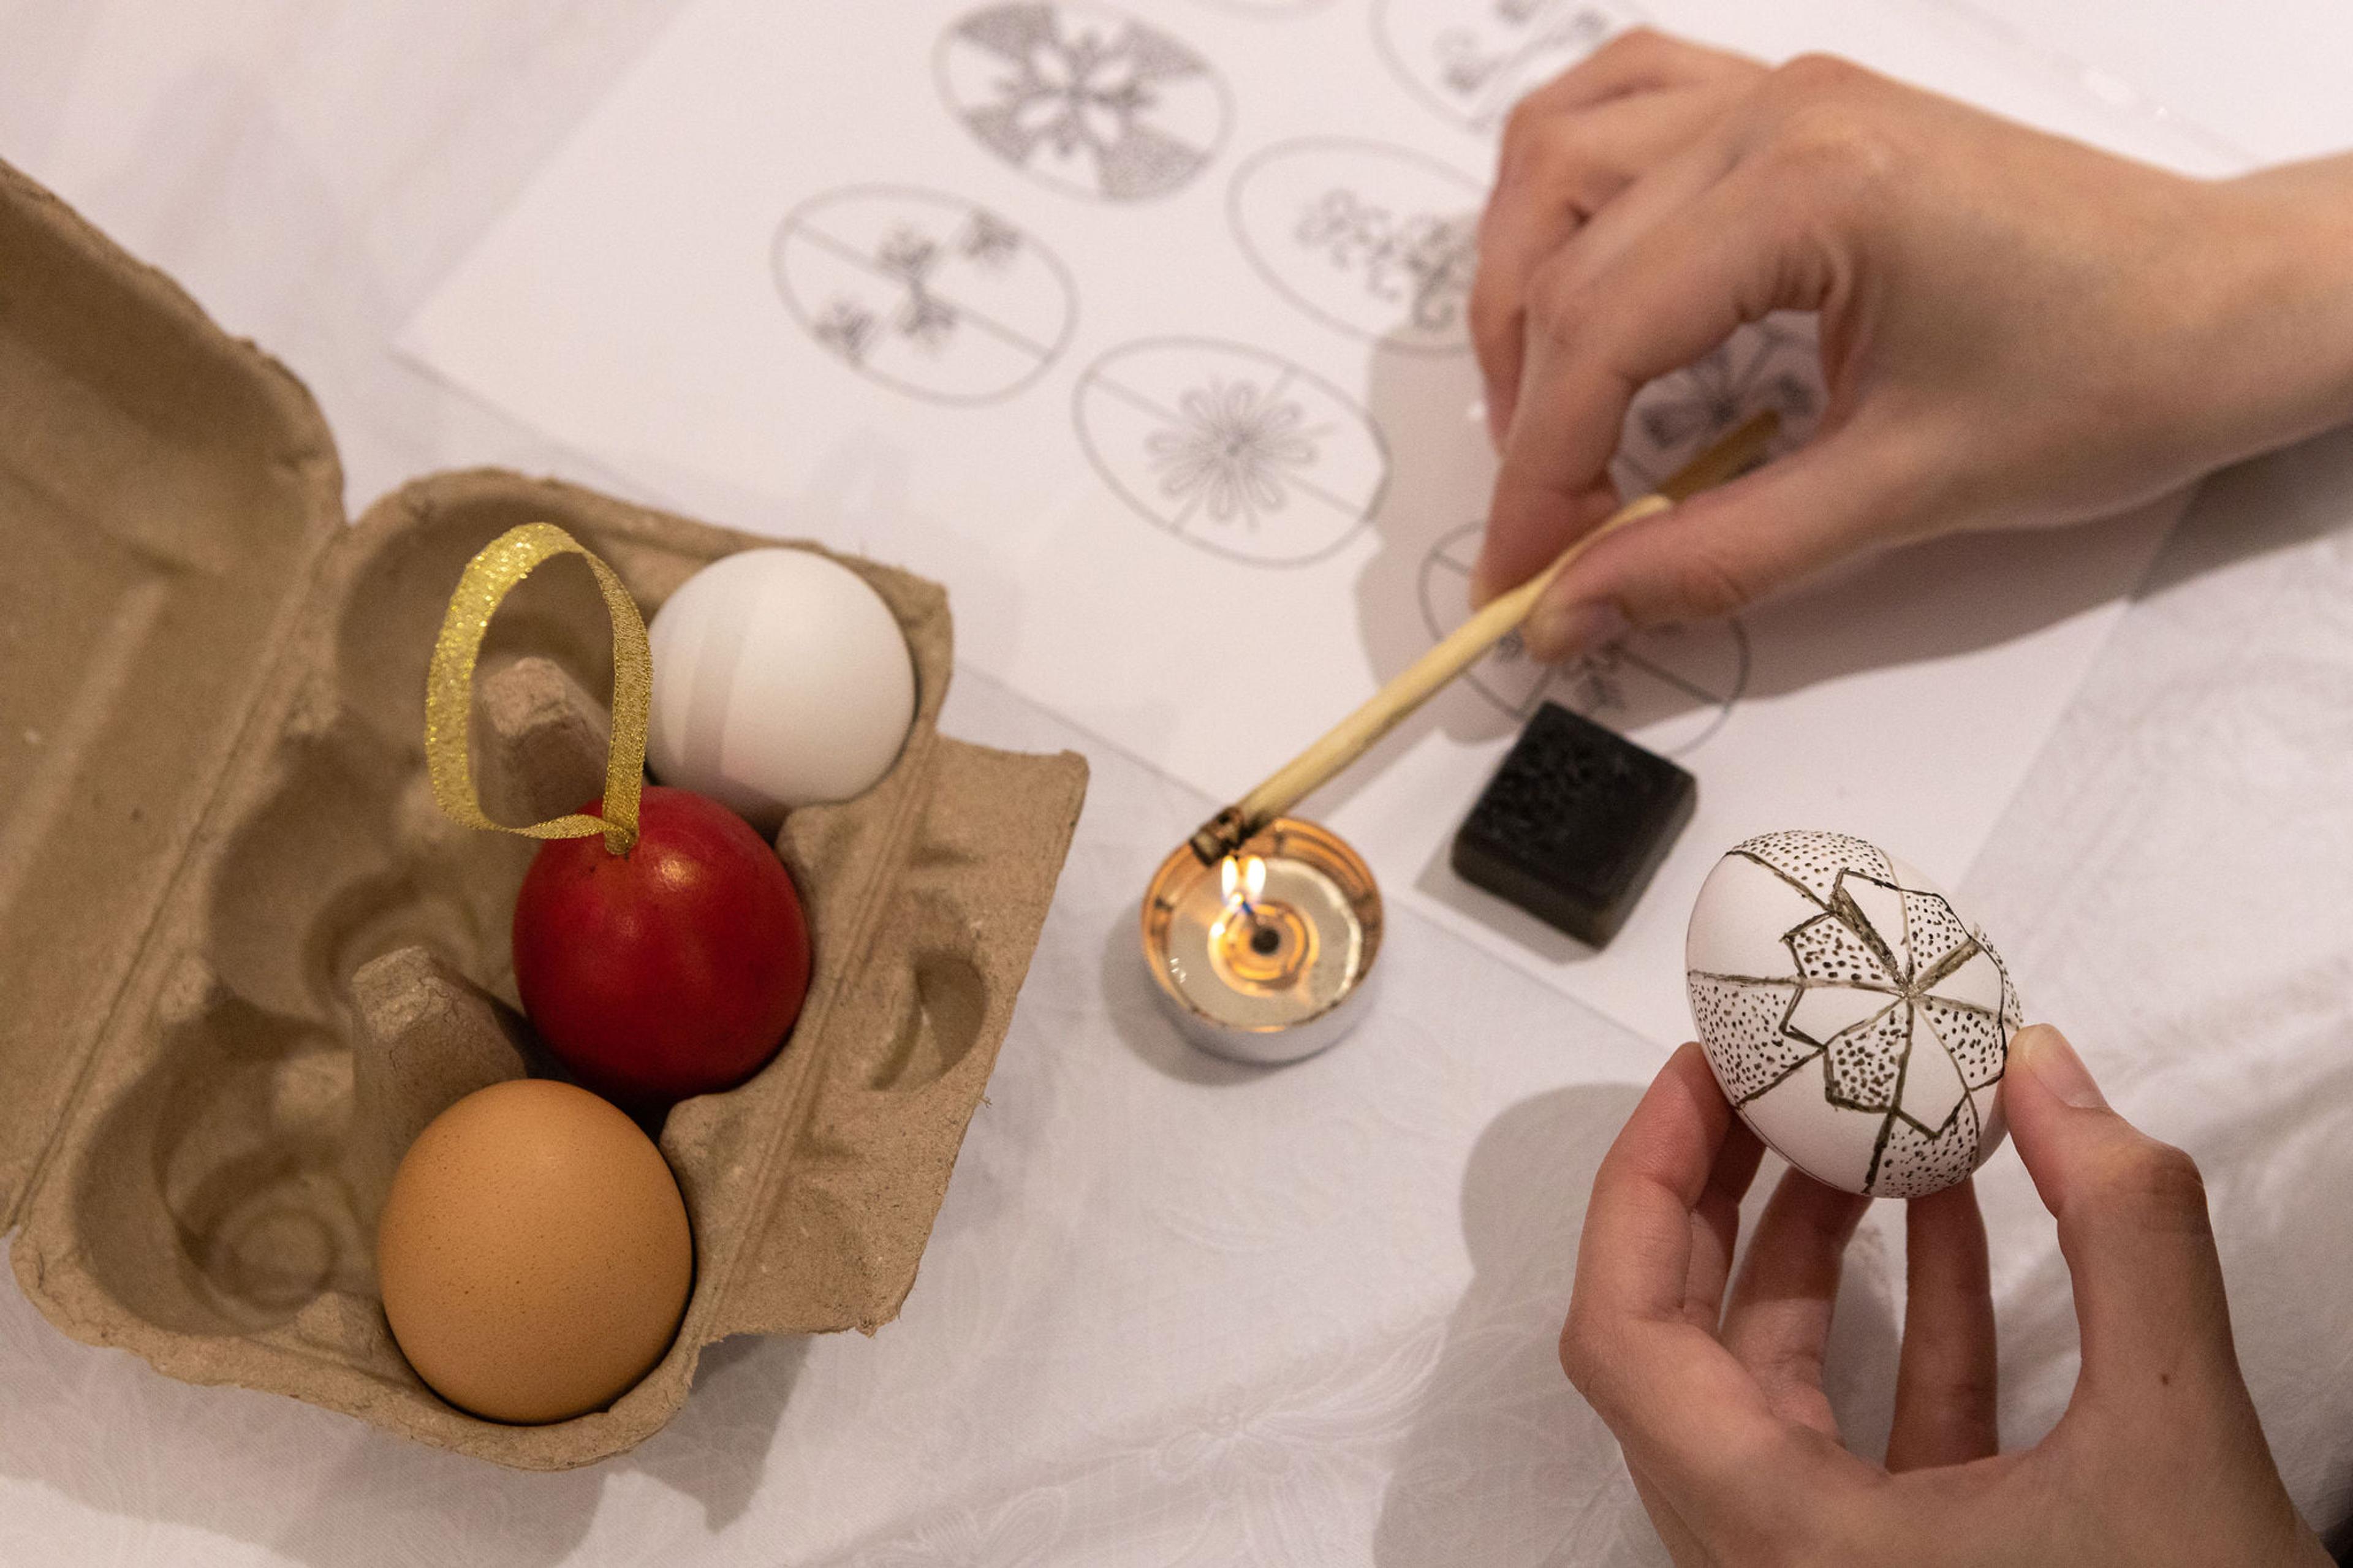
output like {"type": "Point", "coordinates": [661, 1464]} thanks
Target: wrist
{"type": "Point", "coordinates": [2281, 362]}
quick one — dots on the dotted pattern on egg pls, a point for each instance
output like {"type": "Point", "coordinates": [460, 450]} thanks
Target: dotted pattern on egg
{"type": "Point", "coordinates": [1816, 860]}
{"type": "Point", "coordinates": [1899, 1005]}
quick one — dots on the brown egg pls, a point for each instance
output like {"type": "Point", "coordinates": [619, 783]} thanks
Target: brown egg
{"type": "Point", "coordinates": [534, 1253]}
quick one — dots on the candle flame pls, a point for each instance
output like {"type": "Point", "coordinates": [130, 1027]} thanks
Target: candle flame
{"type": "Point", "coordinates": [1241, 880]}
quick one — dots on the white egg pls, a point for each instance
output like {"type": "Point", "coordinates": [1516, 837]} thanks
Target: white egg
{"type": "Point", "coordinates": [1857, 1021]}
{"type": "Point", "coordinates": [781, 679]}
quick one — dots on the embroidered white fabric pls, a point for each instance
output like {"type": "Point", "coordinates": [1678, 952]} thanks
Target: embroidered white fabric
{"type": "Point", "coordinates": [1176, 1311]}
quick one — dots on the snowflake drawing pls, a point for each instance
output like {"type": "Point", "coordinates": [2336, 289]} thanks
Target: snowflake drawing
{"type": "Point", "coordinates": [1889, 1005]}
{"type": "Point", "coordinates": [1235, 452]}
{"type": "Point", "coordinates": [1083, 97]}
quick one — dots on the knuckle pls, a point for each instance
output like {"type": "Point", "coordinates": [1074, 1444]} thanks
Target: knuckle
{"type": "Point", "coordinates": [1545, 162]}
{"type": "Point", "coordinates": [1576, 1354]}
{"type": "Point", "coordinates": [1560, 305]}
{"type": "Point", "coordinates": [1974, 1395]}
{"type": "Point", "coordinates": [1708, 586]}
{"type": "Point", "coordinates": [1584, 1355]}
{"type": "Point", "coordinates": [1840, 155]}
{"type": "Point", "coordinates": [1821, 119]}
{"type": "Point", "coordinates": [1808, 80]}
{"type": "Point", "coordinates": [2150, 1186]}
{"type": "Point", "coordinates": [1635, 49]}
{"type": "Point", "coordinates": [1791, 1369]}
{"type": "Point", "coordinates": [1524, 127]}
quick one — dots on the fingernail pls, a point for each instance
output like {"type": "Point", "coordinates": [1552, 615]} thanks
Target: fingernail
{"type": "Point", "coordinates": [2056, 1066]}
{"type": "Point", "coordinates": [1557, 631]}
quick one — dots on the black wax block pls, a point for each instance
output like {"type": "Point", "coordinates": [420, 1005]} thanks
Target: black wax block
{"type": "Point", "coordinates": [1573, 823]}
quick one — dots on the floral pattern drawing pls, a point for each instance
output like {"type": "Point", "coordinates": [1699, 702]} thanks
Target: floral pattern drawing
{"type": "Point", "coordinates": [1376, 240]}
{"type": "Point", "coordinates": [1471, 60]}
{"type": "Point", "coordinates": [1673, 686]}
{"type": "Point", "coordinates": [923, 293]}
{"type": "Point", "coordinates": [1232, 450]}
{"type": "Point", "coordinates": [1888, 1006]}
{"type": "Point", "coordinates": [1084, 98]}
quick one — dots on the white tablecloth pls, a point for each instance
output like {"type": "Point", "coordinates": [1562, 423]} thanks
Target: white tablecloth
{"type": "Point", "coordinates": [1173, 1311]}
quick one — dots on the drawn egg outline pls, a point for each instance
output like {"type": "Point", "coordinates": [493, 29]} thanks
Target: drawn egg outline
{"type": "Point", "coordinates": [1708, 717]}
{"type": "Point", "coordinates": [1302, 148]}
{"type": "Point", "coordinates": [1207, 154]}
{"type": "Point", "coordinates": [1483, 114]}
{"type": "Point", "coordinates": [959, 209]}
{"type": "Point", "coordinates": [1092, 378]}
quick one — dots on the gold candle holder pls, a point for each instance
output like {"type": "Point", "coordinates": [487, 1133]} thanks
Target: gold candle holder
{"type": "Point", "coordinates": [1268, 956]}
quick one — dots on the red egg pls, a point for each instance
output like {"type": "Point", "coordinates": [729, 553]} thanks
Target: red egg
{"type": "Point", "coordinates": [674, 970]}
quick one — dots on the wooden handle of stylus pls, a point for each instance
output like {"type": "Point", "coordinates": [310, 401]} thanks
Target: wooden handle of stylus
{"type": "Point", "coordinates": [1461, 649]}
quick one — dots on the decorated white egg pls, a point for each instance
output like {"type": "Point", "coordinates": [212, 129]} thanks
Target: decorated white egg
{"type": "Point", "coordinates": [781, 679]}
{"type": "Point", "coordinates": [1857, 1021]}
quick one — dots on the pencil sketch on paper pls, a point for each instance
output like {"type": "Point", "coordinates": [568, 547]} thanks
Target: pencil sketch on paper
{"type": "Point", "coordinates": [1374, 240]}
{"type": "Point", "coordinates": [1084, 98]}
{"type": "Point", "coordinates": [1230, 448]}
{"type": "Point", "coordinates": [1881, 1001]}
{"type": "Point", "coordinates": [1471, 60]}
{"type": "Point", "coordinates": [923, 292]}
{"type": "Point", "coordinates": [1673, 685]}
{"type": "Point", "coordinates": [1775, 364]}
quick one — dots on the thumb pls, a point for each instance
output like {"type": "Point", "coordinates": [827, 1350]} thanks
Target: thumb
{"type": "Point", "coordinates": [2134, 1228]}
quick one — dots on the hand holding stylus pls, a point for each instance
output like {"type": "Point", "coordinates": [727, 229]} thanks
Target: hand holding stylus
{"type": "Point", "coordinates": [2017, 330]}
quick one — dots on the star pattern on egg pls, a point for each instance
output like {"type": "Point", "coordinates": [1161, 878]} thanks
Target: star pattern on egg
{"type": "Point", "coordinates": [1899, 1004]}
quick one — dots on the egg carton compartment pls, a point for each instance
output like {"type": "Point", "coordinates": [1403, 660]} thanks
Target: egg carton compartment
{"type": "Point", "coordinates": [260, 958]}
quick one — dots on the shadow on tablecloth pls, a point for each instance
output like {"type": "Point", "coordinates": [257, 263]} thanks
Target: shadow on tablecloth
{"type": "Point", "coordinates": [1504, 1463]}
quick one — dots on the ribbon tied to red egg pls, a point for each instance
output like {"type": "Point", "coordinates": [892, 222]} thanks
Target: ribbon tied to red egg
{"type": "Point", "coordinates": [489, 576]}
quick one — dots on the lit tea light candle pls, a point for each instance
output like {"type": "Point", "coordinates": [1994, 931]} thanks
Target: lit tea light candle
{"type": "Point", "coordinates": [1267, 958]}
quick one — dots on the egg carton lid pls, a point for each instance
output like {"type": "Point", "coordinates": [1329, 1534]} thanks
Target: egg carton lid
{"type": "Point", "coordinates": [167, 494]}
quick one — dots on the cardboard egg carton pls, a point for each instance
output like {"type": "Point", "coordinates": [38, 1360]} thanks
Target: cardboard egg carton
{"type": "Point", "coordinates": [245, 958]}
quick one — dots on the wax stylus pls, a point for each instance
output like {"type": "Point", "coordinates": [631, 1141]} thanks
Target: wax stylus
{"type": "Point", "coordinates": [1227, 832]}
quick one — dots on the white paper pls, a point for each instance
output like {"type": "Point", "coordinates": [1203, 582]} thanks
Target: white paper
{"type": "Point", "coordinates": [1148, 343]}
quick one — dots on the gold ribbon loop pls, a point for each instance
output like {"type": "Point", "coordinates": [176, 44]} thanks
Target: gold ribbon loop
{"type": "Point", "coordinates": [489, 577]}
